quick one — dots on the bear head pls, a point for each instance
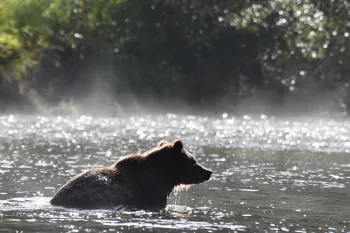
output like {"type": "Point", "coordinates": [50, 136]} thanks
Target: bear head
{"type": "Point", "coordinates": [175, 165]}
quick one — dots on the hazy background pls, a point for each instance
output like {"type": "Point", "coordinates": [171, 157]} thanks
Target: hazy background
{"type": "Point", "coordinates": [121, 56]}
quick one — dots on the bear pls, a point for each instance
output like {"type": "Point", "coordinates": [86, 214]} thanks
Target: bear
{"type": "Point", "coordinates": [141, 181]}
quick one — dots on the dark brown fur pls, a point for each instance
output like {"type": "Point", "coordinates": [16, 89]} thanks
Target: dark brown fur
{"type": "Point", "coordinates": [140, 180]}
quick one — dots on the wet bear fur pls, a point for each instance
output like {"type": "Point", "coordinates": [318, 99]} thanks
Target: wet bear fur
{"type": "Point", "coordinates": [142, 181]}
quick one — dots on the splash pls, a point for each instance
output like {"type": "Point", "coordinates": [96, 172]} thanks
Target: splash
{"type": "Point", "coordinates": [25, 203]}
{"type": "Point", "coordinates": [178, 189]}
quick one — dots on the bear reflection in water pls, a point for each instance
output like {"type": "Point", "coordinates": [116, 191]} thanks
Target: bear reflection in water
{"type": "Point", "coordinates": [141, 181]}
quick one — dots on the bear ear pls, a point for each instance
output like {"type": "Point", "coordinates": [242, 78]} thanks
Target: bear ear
{"type": "Point", "coordinates": [178, 145]}
{"type": "Point", "coordinates": [161, 143]}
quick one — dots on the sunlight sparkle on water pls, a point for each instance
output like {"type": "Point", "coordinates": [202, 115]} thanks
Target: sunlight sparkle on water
{"type": "Point", "coordinates": [269, 174]}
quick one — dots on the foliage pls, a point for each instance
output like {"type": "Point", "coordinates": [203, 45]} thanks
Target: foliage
{"type": "Point", "coordinates": [194, 51]}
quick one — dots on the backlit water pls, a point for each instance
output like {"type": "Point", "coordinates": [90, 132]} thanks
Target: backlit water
{"type": "Point", "coordinates": [270, 175]}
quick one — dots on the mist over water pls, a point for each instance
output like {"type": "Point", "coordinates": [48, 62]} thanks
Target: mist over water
{"type": "Point", "coordinates": [270, 174]}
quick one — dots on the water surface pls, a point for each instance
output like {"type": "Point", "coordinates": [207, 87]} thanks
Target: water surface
{"type": "Point", "coordinates": [270, 175]}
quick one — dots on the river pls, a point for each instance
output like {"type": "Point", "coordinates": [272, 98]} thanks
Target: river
{"type": "Point", "coordinates": [270, 174]}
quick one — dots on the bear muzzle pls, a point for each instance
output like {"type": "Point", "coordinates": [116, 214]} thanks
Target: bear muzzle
{"type": "Point", "coordinates": [207, 173]}
{"type": "Point", "coordinates": [204, 174]}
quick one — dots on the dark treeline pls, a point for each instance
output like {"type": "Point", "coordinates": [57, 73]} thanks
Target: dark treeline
{"type": "Point", "coordinates": [204, 53]}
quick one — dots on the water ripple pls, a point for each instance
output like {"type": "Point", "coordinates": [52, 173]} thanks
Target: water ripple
{"type": "Point", "coordinates": [269, 174]}
{"type": "Point", "coordinates": [230, 132]}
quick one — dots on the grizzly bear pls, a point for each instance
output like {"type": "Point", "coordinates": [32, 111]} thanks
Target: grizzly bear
{"type": "Point", "coordinates": [142, 181]}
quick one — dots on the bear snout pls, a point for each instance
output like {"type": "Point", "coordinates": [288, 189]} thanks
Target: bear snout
{"type": "Point", "coordinates": [204, 173]}
{"type": "Point", "coordinates": [208, 173]}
